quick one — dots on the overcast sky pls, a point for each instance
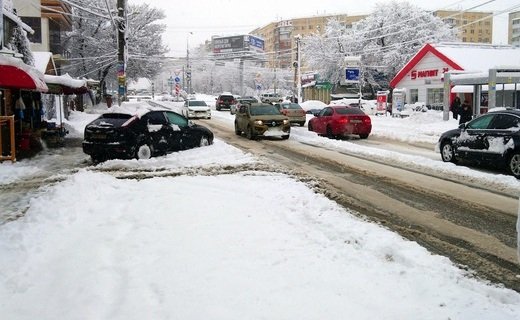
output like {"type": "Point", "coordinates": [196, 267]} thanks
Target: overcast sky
{"type": "Point", "coordinates": [205, 18]}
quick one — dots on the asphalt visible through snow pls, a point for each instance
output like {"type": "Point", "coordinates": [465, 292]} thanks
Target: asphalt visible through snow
{"type": "Point", "coordinates": [472, 225]}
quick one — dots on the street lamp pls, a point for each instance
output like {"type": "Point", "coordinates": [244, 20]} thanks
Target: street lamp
{"type": "Point", "coordinates": [298, 38]}
{"type": "Point", "coordinates": [188, 66]}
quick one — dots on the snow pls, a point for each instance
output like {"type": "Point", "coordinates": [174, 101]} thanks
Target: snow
{"type": "Point", "coordinates": [215, 232]}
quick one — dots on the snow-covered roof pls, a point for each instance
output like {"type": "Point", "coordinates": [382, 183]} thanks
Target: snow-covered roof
{"type": "Point", "coordinates": [65, 80]}
{"type": "Point", "coordinates": [479, 57]}
{"type": "Point", "coordinates": [471, 57]}
{"type": "Point", "coordinates": [41, 60]}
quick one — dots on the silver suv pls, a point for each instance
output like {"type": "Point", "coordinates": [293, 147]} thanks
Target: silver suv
{"type": "Point", "coordinates": [270, 97]}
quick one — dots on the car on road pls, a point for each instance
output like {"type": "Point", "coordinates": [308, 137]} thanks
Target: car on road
{"type": "Point", "coordinates": [261, 119]}
{"type": "Point", "coordinates": [241, 101]}
{"type": "Point", "coordinates": [339, 121]}
{"type": "Point", "coordinates": [195, 109]}
{"type": "Point", "coordinates": [225, 101]}
{"type": "Point", "coordinates": [270, 97]}
{"type": "Point", "coordinates": [141, 136]}
{"type": "Point", "coordinates": [490, 139]}
{"type": "Point", "coordinates": [293, 111]}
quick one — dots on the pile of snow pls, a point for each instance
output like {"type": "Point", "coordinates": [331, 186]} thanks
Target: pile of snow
{"type": "Point", "coordinates": [312, 104]}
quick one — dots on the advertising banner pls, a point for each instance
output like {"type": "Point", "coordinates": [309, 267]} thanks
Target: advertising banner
{"type": "Point", "coordinates": [228, 44]}
{"type": "Point", "coordinates": [382, 102]}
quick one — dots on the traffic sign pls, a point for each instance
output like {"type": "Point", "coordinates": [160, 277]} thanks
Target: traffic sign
{"type": "Point", "coordinates": [352, 75]}
{"type": "Point", "coordinates": [170, 80]}
{"type": "Point", "coordinates": [177, 79]}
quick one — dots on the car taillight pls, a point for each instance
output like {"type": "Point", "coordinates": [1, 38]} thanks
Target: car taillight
{"type": "Point", "coordinates": [367, 120]}
{"type": "Point", "coordinates": [343, 120]}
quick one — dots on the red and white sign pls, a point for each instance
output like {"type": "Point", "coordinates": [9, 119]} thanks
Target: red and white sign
{"type": "Point", "coordinates": [177, 88]}
{"type": "Point", "coordinates": [382, 98]}
{"type": "Point", "coordinates": [431, 73]}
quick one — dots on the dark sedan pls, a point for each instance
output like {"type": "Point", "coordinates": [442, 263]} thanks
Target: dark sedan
{"type": "Point", "coordinates": [338, 121]}
{"type": "Point", "coordinates": [156, 132]}
{"type": "Point", "coordinates": [491, 139]}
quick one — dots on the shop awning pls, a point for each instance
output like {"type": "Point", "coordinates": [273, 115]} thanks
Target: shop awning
{"type": "Point", "coordinates": [65, 84]}
{"type": "Point", "coordinates": [14, 74]}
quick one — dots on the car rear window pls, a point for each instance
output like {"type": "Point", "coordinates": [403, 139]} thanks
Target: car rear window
{"type": "Point", "coordinates": [225, 98]}
{"type": "Point", "coordinates": [113, 119]}
{"type": "Point", "coordinates": [349, 111]}
{"type": "Point", "coordinates": [291, 106]}
{"type": "Point", "coordinates": [197, 103]}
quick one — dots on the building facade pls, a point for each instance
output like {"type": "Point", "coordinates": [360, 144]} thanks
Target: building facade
{"type": "Point", "coordinates": [514, 29]}
{"type": "Point", "coordinates": [49, 19]}
{"type": "Point", "coordinates": [473, 26]}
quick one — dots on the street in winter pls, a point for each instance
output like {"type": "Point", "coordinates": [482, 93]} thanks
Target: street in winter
{"type": "Point", "coordinates": [367, 172]}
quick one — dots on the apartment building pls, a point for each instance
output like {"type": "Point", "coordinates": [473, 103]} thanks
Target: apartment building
{"type": "Point", "coordinates": [473, 26]}
{"type": "Point", "coordinates": [279, 37]}
{"type": "Point", "coordinates": [514, 29]}
{"type": "Point", "coordinates": [49, 19]}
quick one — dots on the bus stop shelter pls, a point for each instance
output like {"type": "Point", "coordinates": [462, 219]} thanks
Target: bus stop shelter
{"type": "Point", "coordinates": [497, 79]}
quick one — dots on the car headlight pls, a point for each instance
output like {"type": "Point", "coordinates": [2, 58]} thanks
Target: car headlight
{"type": "Point", "coordinates": [286, 121]}
{"type": "Point", "coordinates": [259, 122]}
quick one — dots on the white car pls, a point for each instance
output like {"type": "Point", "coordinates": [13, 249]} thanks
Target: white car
{"type": "Point", "coordinates": [196, 109]}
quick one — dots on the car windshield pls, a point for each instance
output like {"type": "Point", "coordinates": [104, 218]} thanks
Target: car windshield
{"type": "Point", "coordinates": [197, 103]}
{"type": "Point", "coordinates": [264, 110]}
{"type": "Point", "coordinates": [349, 111]}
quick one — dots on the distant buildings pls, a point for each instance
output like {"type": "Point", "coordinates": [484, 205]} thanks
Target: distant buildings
{"type": "Point", "coordinates": [280, 44]}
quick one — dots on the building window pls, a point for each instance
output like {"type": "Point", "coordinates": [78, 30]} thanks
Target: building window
{"type": "Point", "coordinates": [310, 27]}
{"type": "Point", "coordinates": [414, 95]}
{"type": "Point", "coordinates": [472, 31]}
{"type": "Point", "coordinates": [435, 97]}
{"type": "Point", "coordinates": [36, 24]}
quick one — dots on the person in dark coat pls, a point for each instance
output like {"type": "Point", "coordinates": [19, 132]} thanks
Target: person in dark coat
{"type": "Point", "coordinates": [465, 112]}
{"type": "Point", "coordinates": [455, 107]}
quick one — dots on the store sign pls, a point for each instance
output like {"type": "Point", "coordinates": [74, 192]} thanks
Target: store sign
{"type": "Point", "coordinates": [431, 73]}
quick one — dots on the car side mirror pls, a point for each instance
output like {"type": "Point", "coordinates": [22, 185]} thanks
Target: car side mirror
{"type": "Point", "coordinates": [462, 126]}
{"type": "Point", "coordinates": [316, 114]}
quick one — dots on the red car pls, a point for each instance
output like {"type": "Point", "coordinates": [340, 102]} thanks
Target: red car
{"type": "Point", "coordinates": [339, 121]}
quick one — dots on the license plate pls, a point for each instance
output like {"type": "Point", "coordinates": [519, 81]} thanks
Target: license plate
{"type": "Point", "coordinates": [355, 121]}
{"type": "Point", "coordinates": [99, 136]}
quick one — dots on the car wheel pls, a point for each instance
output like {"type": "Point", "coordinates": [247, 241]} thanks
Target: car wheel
{"type": "Point", "coordinates": [143, 152]}
{"type": "Point", "coordinates": [285, 137]}
{"type": "Point", "coordinates": [204, 141]}
{"type": "Point", "coordinates": [309, 127]}
{"type": "Point", "coordinates": [447, 152]}
{"type": "Point", "coordinates": [363, 136]}
{"type": "Point", "coordinates": [96, 158]}
{"type": "Point", "coordinates": [302, 123]}
{"type": "Point", "coordinates": [249, 133]}
{"type": "Point", "coordinates": [237, 130]}
{"type": "Point", "coordinates": [218, 108]}
{"type": "Point", "coordinates": [330, 135]}
{"type": "Point", "coordinates": [513, 164]}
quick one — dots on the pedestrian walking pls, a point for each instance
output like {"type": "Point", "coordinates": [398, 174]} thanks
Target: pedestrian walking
{"type": "Point", "coordinates": [455, 107]}
{"type": "Point", "coordinates": [465, 112]}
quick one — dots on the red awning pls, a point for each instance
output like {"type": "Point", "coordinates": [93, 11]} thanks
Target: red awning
{"type": "Point", "coordinates": [14, 74]}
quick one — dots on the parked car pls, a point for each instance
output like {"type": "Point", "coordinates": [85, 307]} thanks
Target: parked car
{"type": "Point", "coordinates": [156, 132]}
{"type": "Point", "coordinates": [293, 111]}
{"type": "Point", "coordinates": [196, 109]}
{"type": "Point", "coordinates": [261, 119]}
{"type": "Point", "coordinates": [242, 101]}
{"type": "Point", "coordinates": [270, 97]}
{"type": "Point", "coordinates": [336, 121]}
{"type": "Point", "coordinates": [225, 101]}
{"type": "Point", "coordinates": [490, 139]}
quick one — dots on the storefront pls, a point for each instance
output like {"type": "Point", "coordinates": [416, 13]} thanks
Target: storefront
{"type": "Point", "coordinates": [422, 78]}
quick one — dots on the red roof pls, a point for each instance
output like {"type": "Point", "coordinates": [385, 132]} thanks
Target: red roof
{"type": "Point", "coordinates": [427, 48]}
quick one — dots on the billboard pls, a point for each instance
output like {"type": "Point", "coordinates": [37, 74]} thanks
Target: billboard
{"type": "Point", "coordinates": [229, 44]}
{"type": "Point", "coordinates": [240, 43]}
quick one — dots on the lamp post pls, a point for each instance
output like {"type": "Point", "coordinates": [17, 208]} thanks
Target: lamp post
{"type": "Point", "coordinates": [188, 66]}
{"type": "Point", "coordinates": [298, 69]}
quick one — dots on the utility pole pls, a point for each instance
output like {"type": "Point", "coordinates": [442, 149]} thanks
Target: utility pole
{"type": "Point", "coordinates": [298, 70]}
{"type": "Point", "coordinates": [188, 66]}
{"type": "Point", "coordinates": [121, 50]}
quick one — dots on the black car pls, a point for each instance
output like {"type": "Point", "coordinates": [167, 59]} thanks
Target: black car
{"type": "Point", "coordinates": [155, 132]}
{"type": "Point", "coordinates": [225, 101]}
{"type": "Point", "coordinates": [491, 139]}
